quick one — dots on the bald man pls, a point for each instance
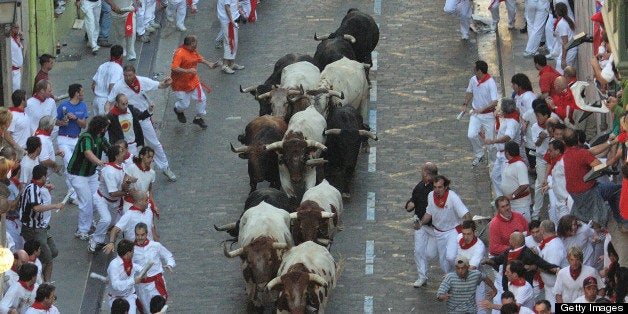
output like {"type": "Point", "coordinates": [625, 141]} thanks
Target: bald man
{"type": "Point", "coordinates": [563, 102]}
{"type": "Point", "coordinates": [11, 276]}
{"type": "Point", "coordinates": [519, 251]}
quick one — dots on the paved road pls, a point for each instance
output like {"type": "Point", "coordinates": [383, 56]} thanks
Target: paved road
{"type": "Point", "coordinates": [422, 72]}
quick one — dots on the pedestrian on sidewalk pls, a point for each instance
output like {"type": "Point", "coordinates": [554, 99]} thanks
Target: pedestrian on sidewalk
{"type": "Point", "coordinates": [185, 82]}
{"type": "Point", "coordinates": [106, 76]}
{"type": "Point", "coordinates": [509, 130]}
{"type": "Point", "coordinates": [135, 88]}
{"type": "Point", "coordinates": [124, 25]}
{"type": "Point", "coordinates": [17, 56]}
{"type": "Point", "coordinates": [482, 94]}
{"type": "Point", "coordinates": [564, 28]}
{"type": "Point", "coordinates": [91, 8]}
{"type": "Point", "coordinates": [511, 6]}
{"type": "Point", "coordinates": [463, 9]}
{"type": "Point", "coordinates": [536, 14]}
{"type": "Point", "coordinates": [228, 13]}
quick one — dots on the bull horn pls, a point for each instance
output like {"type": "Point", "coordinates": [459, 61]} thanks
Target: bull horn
{"type": "Point", "coordinates": [262, 96]}
{"type": "Point", "coordinates": [318, 279]}
{"type": "Point", "coordinates": [226, 227]}
{"type": "Point", "coordinates": [332, 132]}
{"type": "Point", "coordinates": [315, 144]}
{"type": "Point", "coordinates": [370, 134]}
{"type": "Point", "coordinates": [366, 65]}
{"type": "Point", "coordinates": [315, 162]}
{"type": "Point", "coordinates": [294, 215]}
{"type": "Point", "coordinates": [324, 242]}
{"type": "Point", "coordinates": [242, 149]}
{"type": "Point", "coordinates": [320, 38]}
{"type": "Point", "coordinates": [349, 38]}
{"type": "Point", "coordinates": [327, 215]}
{"type": "Point", "coordinates": [293, 92]}
{"type": "Point", "coordinates": [340, 95]}
{"type": "Point", "coordinates": [248, 89]}
{"type": "Point", "coordinates": [233, 253]}
{"type": "Point", "coordinates": [280, 245]}
{"type": "Point", "coordinates": [271, 284]}
{"type": "Point", "coordinates": [274, 146]}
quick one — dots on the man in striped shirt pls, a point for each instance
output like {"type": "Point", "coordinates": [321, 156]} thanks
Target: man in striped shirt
{"type": "Point", "coordinates": [458, 288]}
{"type": "Point", "coordinates": [35, 206]}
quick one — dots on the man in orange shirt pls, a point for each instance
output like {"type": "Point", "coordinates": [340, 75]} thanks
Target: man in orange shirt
{"type": "Point", "coordinates": [185, 82]}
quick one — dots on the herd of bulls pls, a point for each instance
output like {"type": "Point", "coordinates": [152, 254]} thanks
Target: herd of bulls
{"type": "Point", "coordinates": [311, 115]}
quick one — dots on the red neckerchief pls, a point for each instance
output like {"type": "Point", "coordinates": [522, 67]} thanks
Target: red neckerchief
{"type": "Point", "coordinates": [142, 245]}
{"type": "Point", "coordinates": [502, 218]}
{"type": "Point", "coordinates": [252, 16]}
{"type": "Point", "coordinates": [127, 155]}
{"type": "Point", "coordinates": [39, 184]}
{"type": "Point", "coordinates": [467, 246]}
{"type": "Point", "coordinates": [128, 265]}
{"type": "Point", "coordinates": [515, 159]}
{"type": "Point", "coordinates": [17, 41]}
{"type": "Point", "coordinates": [546, 241]}
{"type": "Point", "coordinates": [32, 260]}
{"type": "Point", "coordinates": [116, 111]}
{"type": "Point", "coordinates": [135, 85]}
{"type": "Point", "coordinates": [118, 61]}
{"type": "Point", "coordinates": [42, 132]}
{"type": "Point", "coordinates": [622, 137]}
{"type": "Point", "coordinates": [441, 201]}
{"type": "Point", "coordinates": [40, 306]}
{"type": "Point", "coordinates": [514, 254]}
{"type": "Point", "coordinates": [25, 285]}
{"type": "Point", "coordinates": [513, 115]}
{"type": "Point", "coordinates": [519, 282]}
{"type": "Point", "coordinates": [537, 277]}
{"type": "Point", "coordinates": [16, 109]}
{"type": "Point", "coordinates": [575, 273]}
{"type": "Point", "coordinates": [521, 92]}
{"type": "Point", "coordinates": [113, 164]}
{"type": "Point", "coordinates": [541, 125]}
{"type": "Point", "coordinates": [14, 268]}
{"type": "Point", "coordinates": [135, 208]}
{"type": "Point", "coordinates": [484, 79]}
{"type": "Point", "coordinates": [556, 22]}
{"type": "Point", "coordinates": [128, 25]}
{"type": "Point", "coordinates": [41, 99]}
{"type": "Point", "coordinates": [552, 161]}
{"type": "Point", "coordinates": [139, 166]}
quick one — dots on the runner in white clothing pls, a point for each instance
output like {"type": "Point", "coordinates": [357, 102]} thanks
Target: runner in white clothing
{"type": "Point", "coordinates": [140, 169]}
{"type": "Point", "coordinates": [106, 76]}
{"type": "Point", "coordinates": [123, 275]}
{"type": "Point", "coordinates": [568, 289]}
{"type": "Point", "coordinates": [20, 128]}
{"type": "Point", "coordinates": [509, 130]}
{"type": "Point", "coordinates": [41, 104]}
{"type": "Point", "coordinates": [21, 295]}
{"type": "Point", "coordinates": [553, 251]}
{"type": "Point", "coordinates": [473, 249]}
{"type": "Point", "coordinates": [44, 301]}
{"type": "Point", "coordinates": [445, 209]}
{"type": "Point", "coordinates": [139, 212]}
{"type": "Point", "coordinates": [150, 251]}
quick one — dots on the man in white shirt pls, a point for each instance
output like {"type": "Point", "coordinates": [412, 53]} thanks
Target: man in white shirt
{"type": "Point", "coordinates": [21, 295]}
{"type": "Point", "coordinates": [482, 94]}
{"type": "Point", "coordinates": [590, 291]}
{"type": "Point", "coordinates": [44, 301]}
{"type": "Point", "coordinates": [514, 180]}
{"type": "Point", "coordinates": [509, 130]}
{"type": "Point", "coordinates": [11, 276]}
{"type": "Point", "coordinates": [473, 249]}
{"type": "Point", "coordinates": [106, 76]}
{"type": "Point", "coordinates": [41, 104]}
{"type": "Point", "coordinates": [570, 280]}
{"type": "Point", "coordinates": [123, 25]}
{"type": "Point", "coordinates": [20, 128]}
{"type": "Point", "coordinates": [556, 183]}
{"type": "Point", "coordinates": [123, 275]}
{"type": "Point", "coordinates": [17, 57]}
{"type": "Point", "coordinates": [553, 251]}
{"type": "Point", "coordinates": [445, 209]}
{"type": "Point", "coordinates": [139, 212]}
{"type": "Point", "coordinates": [30, 160]}
{"type": "Point", "coordinates": [150, 251]}
{"type": "Point", "coordinates": [228, 13]}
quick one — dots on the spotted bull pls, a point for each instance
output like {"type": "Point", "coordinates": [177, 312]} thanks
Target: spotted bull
{"type": "Point", "coordinates": [317, 219]}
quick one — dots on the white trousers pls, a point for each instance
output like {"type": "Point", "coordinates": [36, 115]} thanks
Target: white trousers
{"type": "Point", "coordinates": [571, 58]}
{"type": "Point", "coordinates": [149, 13]}
{"type": "Point", "coordinates": [197, 95]}
{"type": "Point", "coordinates": [98, 105]}
{"type": "Point", "coordinates": [496, 173]}
{"type": "Point", "coordinates": [539, 197]}
{"type": "Point", "coordinates": [447, 247]}
{"type": "Point", "coordinates": [557, 208]}
{"type": "Point", "coordinates": [104, 208]}
{"type": "Point", "coordinates": [85, 187]}
{"type": "Point", "coordinates": [550, 296]}
{"type": "Point", "coordinates": [92, 20]}
{"type": "Point", "coordinates": [140, 27]}
{"type": "Point", "coordinates": [67, 144]}
{"type": "Point", "coordinates": [151, 140]}
{"type": "Point", "coordinates": [228, 53]}
{"type": "Point", "coordinates": [177, 9]}
{"type": "Point", "coordinates": [536, 13]}
{"type": "Point", "coordinates": [130, 298]}
{"type": "Point", "coordinates": [118, 23]}
{"type": "Point", "coordinates": [14, 228]}
{"type": "Point", "coordinates": [463, 9]}
{"type": "Point", "coordinates": [511, 6]}
{"type": "Point", "coordinates": [476, 123]}
{"type": "Point", "coordinates": [17, 79]}
{"type": "Point", "coordinates": [424, 249]}
{"type": "Point", "coordinates": [145, 292]}
{"type": "Point", "coordinates": [549, 34]}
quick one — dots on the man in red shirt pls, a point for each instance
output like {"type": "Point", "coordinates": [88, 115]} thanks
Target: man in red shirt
{"type": "Point", "coordinates": [547, 75]}
{"type": "Point", "coordinates": [46, 61]}
{"type": "Point", "coordinates": [185, 82]}
{"type": "Point", "coordinates": [562, 99]}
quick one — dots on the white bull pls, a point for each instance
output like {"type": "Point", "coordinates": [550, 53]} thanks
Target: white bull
{"type": "Point", "coordinates": [264, 234]}
{"type": "Point", "coordinates": [298, 152]}
{"type": "Point", "coordinates": [318, 216]}
{"type": "Point", "coordinates": [347, 77]}
{"type": "Point", "coordinates": [305, 279]}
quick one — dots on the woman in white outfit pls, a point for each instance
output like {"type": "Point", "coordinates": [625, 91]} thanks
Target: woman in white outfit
{"type": "Point", "coordinates": [564, 28]}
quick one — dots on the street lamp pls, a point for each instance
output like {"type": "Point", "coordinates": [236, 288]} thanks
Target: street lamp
{"type": "Point", "coordinates": [8, 10]}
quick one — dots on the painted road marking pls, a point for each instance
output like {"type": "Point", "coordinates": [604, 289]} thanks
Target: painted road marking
{"type": "Point", "coordinates": [373, 92]}
{"type": "Point", "coordinates": [370, 256]}
{"type": "Point", "coordinates": [370, 206]}
{"type": "Point", "coordinates": [372, 159]}
{"type": "Point", "coordinates": [374, 55]}
{"type": "Point", "coordinates": [373, 120]}
{"type": "Point", "coordinates": [368, 304]}
{"type": "Point", "coordinates": [377, 7]}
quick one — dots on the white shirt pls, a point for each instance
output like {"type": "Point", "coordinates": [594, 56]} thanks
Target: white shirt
{"type": "Point", "coordinates": [607, 70]}
{"type": "Point", "coordinates": [144, 178]}
{"type": "Point", "coordinates": [120, 284]}
{"type": "Point", "coordinates": [136, 99]}
{"type": "Point", "coordinates": [582, 299]}
{"type": "Point", "coordinates": [10, 278]}
{"type": "Point", "coordinates": [510, 128]}
{"type": "Point", "coordinates": [448, 217]}
{"type": "Point", "coordinates": [524, 102]}
{"type": "Point", "coordinates": [26, 165]}
{"type": "Point", "coordinates": [582, 239]}
{"type": "Point", "coordinates": [131, 218]}
{"type": "Point", "coordinates": [52, 310]}
{"type": "Point", "coordinates": [559, 181]}
{"type": "Point", "coordinates": [571, 289]}
{"type": "Point", "coordinates": [108, 73]}
{"type": "Point", "coordinates": [126, 124]}
{"type": "Point", "coordinates": [528, 137]}
{"type": "Point", "coordinates": [153, 252]}
{"type": "Point", "coordinates": [483, 94]}
{"type": "Point", "coordinates": [40, 269]}
{"type": "Point", "coordinates": [35, 110]}
{"type": "Point", "coordinates": [475, 253]}
{"type": "Point", "coordinates": [222, 13]}
{"type": "Point", "coordinates": [554, 253]}
{"type": "Point", "coordinates": [513, 176]}
{"type": "Point", "coordinates": [532, 245]}
{"type": "Point", "coordinates": [541, 149]}
{"type": "Point", "coordinates": [47, 149]}
{"type": "Point", "coordinates": [524, 295]}
{"type": "Point", "coordinates": [20, 128]}
{"type": "Point", "coordinates": [17, 57]}
{"type": "Point", "coordinates": [19, 298]}
{"type": "Point", "coordinates": [562, 29]}
{"type": "Point", "coordinates": [111, 177]}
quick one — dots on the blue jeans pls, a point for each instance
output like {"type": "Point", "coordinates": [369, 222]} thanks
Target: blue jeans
{"type": "Point", "coordinates": [105, 21]}
{"type": "Point", "coordinates": [610, 192]}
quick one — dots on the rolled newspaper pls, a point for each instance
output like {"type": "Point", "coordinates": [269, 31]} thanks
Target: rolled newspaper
{"type": "Point", "coordinates": [98, 277]}
{"type": "Point", "coordinates": [66, 198]}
